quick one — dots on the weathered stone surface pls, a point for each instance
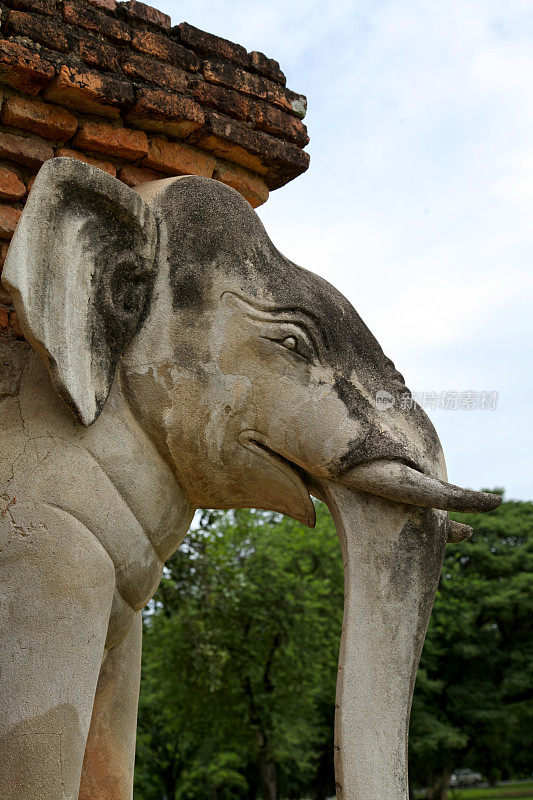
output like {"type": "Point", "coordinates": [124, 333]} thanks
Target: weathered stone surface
{"type": "Point", "coordinates": [93, 20]}
{"type": "Point", "coordinates": [139, 66]}
{"type": "Point", "coordinates": [41, 6]}
{"type": "Point", "coordinates": [243, 380]}
{"type": "Point", "coordinates": [96, 52]}
{"type": "Point", "coordinates": [210, 45]}
{"type": "Point", "coordinates": [23, 69]}
{"type": "Point", "coordinates": [39, 28]}
{"type": "Point", "coordinates": [267, 67]}
{"type": "Point", "coordinates": [264, 116]}
{"type": "Point", "coordinates": [272, 120]}
{"type": "Point", "coordinates": [229, 102]}
{"type": "Point", "coordinates": [145, 13]}
{"type": "Point", "coordinates": [256, 86]}
{"type": "Point", "coordinates": [109, 5]}
{"type": "Point", "coordinates": [90, 92]}
{"type": "Point", "coordinates": [165, 112]}
{"type": "Point", "coordinates": [160, 46]}
{"type": "Point", "coordinates": [278, 161]}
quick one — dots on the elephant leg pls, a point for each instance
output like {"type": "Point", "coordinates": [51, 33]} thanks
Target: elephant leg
{"type": "Point", "coordinates": [56, 592]}
{"type": "Point", "coordinates": [110, 751]}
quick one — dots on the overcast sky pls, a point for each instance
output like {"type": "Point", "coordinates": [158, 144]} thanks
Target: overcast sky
{"type": "Point", "coordinates": [419, 198]}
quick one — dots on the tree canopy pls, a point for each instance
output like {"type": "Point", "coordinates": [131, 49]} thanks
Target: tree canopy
{"type": "Point", "coordinates": [240, 660]}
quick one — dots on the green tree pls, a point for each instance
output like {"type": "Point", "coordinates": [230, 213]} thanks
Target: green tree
{"type": "Point", "coordinates": [240, 659]}
{"type": "Point", "coordinates": [473, 703]}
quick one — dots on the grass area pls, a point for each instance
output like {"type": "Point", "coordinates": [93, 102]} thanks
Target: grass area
{"type": "Point", "coordinates": [493, 793]}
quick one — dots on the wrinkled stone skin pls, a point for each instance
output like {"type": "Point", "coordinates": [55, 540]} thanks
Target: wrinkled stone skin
{"type": "Point", "coordinates": [177, 360]}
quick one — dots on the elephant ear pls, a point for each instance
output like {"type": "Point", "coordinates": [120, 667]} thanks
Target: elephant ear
{"type": "Point", "coordinates": [81, 269]}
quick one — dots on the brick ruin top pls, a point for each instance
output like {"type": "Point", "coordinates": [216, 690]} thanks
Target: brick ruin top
{"type": "Point", "coordinates": [115, 84]}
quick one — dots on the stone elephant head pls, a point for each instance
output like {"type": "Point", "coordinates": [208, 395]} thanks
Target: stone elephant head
{"type": "Point", "coordinates": [257, 382]}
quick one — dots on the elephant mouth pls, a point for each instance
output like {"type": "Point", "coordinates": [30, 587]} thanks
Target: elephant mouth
{"type": "Point", "coordinates": [298, 477]}
{"type": "Point", "coordinates": [392, 479]}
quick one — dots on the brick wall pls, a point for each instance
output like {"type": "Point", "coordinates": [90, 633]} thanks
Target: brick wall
{"type": "Point", "coordinates": [115, 84]}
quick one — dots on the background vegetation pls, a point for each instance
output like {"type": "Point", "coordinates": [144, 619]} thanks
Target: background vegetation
{"type": "Point", "coordinates": [240, 655]}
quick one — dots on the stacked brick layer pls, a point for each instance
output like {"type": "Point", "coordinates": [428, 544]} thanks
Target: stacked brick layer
{"type": "Point", "coordinates": [116, 85]}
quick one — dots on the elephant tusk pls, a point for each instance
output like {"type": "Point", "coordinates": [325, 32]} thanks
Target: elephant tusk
{"type": "Point", "coordinates": [396, 481]}
{"type": "Point", "coordinates": [457, 532]}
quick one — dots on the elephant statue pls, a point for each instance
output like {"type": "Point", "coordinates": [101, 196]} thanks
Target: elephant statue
{"type": "Point", "coordinates": [176, 360]}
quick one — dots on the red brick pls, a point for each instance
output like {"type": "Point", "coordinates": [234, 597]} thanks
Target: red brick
{"type": "Point", "coordinates": [14, 324]}
{"type": "Point", "coordinates": [40, 29]}
{"type": "Point", "coordinates": [106, 166]}
{"type": "Point", "coordinates": [251, 186]}
{"type": "Point", "coordinates": [148, 69]}
{"type": "Point", "coordinates": [210, 45]}
{"type": "Point", "coordinates": [119, 142]}
{"type": "Point", "coordinates": [178, 159]}
{"type": "Point", "coordinates": [144, 13]}
{"type": "Point", "coordinates": [21, 68]}
{"type": "Point", "coordinates": [8, 221]}
{"type": "Point", "coordinates": [165, 112]}
{"type": "Point", "coordinates": [133, 176]}
{"type": "Point", "coordinates": [224, 148]}
{"type": "Point", "coordinates": [160, 46]}
{"type": "Point", "coordinates": [5, 298]}
{"type": "Point", "coordinates": [90, 92]}
{"type": "Point", "coordinates": [11, 187]}
{"type": "Point", "coordinates": [92, 20]}
{"type": "Point", "coordinates": [29, 152]}
{"type": "Point", "coordinates": [272, 120]}
{"type": "Point", "coordinates": [229, 102]}
{"type": "Point", "coordinates": [98, 53]}
{"type": "Point", "coordinates": [4, 320]}
{"type": "Point", "coordinates": [265, 117]}
{"type": "Point", "coordinates": [41, 6]}
{"type": "Point", "coordinates": [256, 86]}
{"type": "Point", "coordinates": [266, 67]}
{"type": "Point", "coordinates": [233, 141]}
{"type": "Point", "coordinates": [37, 117]}
{"type": "Point", "coordinates": [109, 5]}
{"type": "Point", "coordinates": [30, 184]}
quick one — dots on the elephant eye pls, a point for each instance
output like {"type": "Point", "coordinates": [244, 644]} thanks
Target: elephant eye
{"type": "Point", "coordinates": [290, 343]}
{"type": "Point", "coordinates": [297, 345]}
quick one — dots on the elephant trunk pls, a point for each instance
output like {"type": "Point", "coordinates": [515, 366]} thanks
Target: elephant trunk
{"type": "Point", "coordinates": [392, 556]}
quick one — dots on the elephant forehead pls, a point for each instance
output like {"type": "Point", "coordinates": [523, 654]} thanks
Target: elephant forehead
{"type": "Point", "coordinates": [214, 236]}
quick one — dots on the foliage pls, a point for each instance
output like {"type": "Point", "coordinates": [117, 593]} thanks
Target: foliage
{"type": "Point", "coordinates": [473, 703]}
{"type": "Point", "coordinates": [240, 659]}
{"type": "Point", "coordinates": [240, 652]}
